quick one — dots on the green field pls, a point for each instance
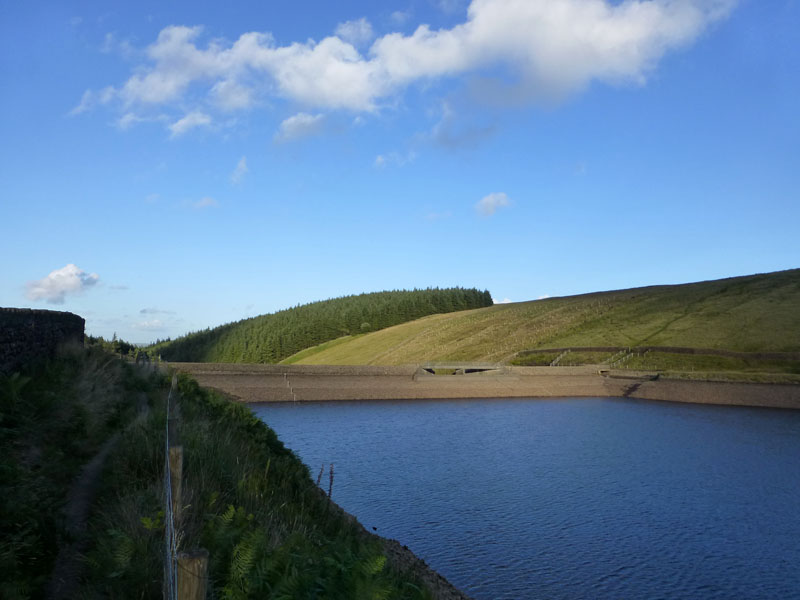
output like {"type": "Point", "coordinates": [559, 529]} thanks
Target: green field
{"type": "Point", "coordinates": [756, 313]}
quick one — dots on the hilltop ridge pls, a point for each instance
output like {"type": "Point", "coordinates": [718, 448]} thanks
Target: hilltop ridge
{"type": "Point", "coordinates": [273, 337]}
{"type": "Point", "coordinates": [754, 313]}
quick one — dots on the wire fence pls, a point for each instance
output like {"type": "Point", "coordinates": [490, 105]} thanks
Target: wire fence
{"type": "Point", "coordinates": [170, 536]}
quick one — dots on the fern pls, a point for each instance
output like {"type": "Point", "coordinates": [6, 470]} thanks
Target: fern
{"type": "Point", "coordinates": [372, 566]}
{"type": "Point", "coordinates": [244, 557]}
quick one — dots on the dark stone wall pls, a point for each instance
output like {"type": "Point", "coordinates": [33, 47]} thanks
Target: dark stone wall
{"type": "Point", "coordinates": [27, 334]}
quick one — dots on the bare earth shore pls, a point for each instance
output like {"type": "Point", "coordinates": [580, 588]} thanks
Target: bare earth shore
{"type": "Point", "coordinates": [287, 383]}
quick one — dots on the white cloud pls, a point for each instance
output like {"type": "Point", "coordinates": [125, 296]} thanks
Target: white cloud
{"type": "Point", "coordinates": [434, 216]}
{"type": "Point", "coordinates": [231, 95]}
{"type": "Point", "coordinates": [207, 202]}
{"type": "Point", "coordinates": [90, 99]}
{"type": "Point", "coordinates": [86, 103]}
{"type": "Point", "coordinates": [240, 171]}
{"type": "Point", "coordinates": [504, 301]}
{"type": "Point", "coordinates": [394, 158]}
{"type": "Point", "coordinates": [357, 32]}
{"type": "Point", "coordinates": [189, 122]}
{"type": "Point", "coordinates": [545, 297]}
{"type": "Point", "coordinates": [152, 325]}
{"type": "Point", "coordinates": [551, 49]}
{"type": "Point", "coordinates": [155, 311]}
{"type": "Point", "coordinates": [298, 126]}
{"type": "Point", "coordinates": [111, 43]}
{"type": "Point", "coordinates": [488, 205]}
{"type": "Point", "coordinates": [129, 119]}
{"type": "Point", "coordinates": [54, 288]}
{"type": "Point", "coordinates": [400, 17]}
{"type": "Point", "coordinates": [449, 6]}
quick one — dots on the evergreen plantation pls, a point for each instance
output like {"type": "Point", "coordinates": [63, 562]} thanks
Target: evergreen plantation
{"type": "Point", "coordinates": [273, 337]}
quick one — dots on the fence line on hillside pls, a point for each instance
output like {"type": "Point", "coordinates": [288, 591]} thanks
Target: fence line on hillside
{"type": "Point", "coordinates": [185, 573]}
{"type": "Point", "coordinates": [170, 537]}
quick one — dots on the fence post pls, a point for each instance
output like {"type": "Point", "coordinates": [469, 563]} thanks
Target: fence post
{"type": "Point", "coordinates": [175, 454]}
{"type": "Point", "coordinates": [176, 477]}
{"type": "Point", "coordinates": [192, 575]}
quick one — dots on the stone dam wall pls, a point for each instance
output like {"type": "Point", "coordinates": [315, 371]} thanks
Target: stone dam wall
{"type": "Point", "coordinates": [27, 334]}
{"type": "Point", "coordinates": [287, 383]}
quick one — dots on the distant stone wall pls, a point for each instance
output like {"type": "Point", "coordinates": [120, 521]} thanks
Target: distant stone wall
{"type": "Point", "coordinates": [27, 334]}
{"type": "Point", "coordinates": [668, 349]}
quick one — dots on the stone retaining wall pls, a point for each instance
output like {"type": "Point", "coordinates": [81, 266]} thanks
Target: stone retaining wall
{"type": "Point", "coordinates": [285, 383]}
{"type": "Point", "coordinates": [27, 334]}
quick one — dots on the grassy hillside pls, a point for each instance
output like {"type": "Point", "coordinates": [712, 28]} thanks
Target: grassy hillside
{"type": "Point", "coordinates": [271, 338]}
{"type": "Point", "coordinates": [270, 531]}
{"type": "Point", "coordinates": [755, 313]}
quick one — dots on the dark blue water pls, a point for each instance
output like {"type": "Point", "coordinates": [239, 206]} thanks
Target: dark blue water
{"type": "Point", "coordinates": [569, 498]}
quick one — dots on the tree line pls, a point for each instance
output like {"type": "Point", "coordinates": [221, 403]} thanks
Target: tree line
{"type": "Point", "coordinates": [271, 338]}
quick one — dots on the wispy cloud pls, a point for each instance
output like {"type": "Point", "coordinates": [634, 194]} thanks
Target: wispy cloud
{"type": "Point", "coordinates": [240, 171]}
{"type": "Point", "coordinates": [394, 158]}
{"type": "Point", "coordinates": [207, 202]}
{"type": "Point", "coordinates": [298, 126]}
{"type": "Point", "coordinates": [129, 119]}
{"type": "Point", "coordinates": [400, 17]}
{"type": "Point", "coordinates": [434, 216]}
{"type": "Point", "coordinates": [450, 6]}
{"type": "Point", "coordinates": [151, 325]}
{"type": "Point", "coordinates": [452, 133]}
{"type": "Point", "coordinates": [59, 283]}
{"type": "Point", "coordinates": [155, 311]}
{"type": "Point", "coordinates": [91, 98]}
{"type": "Point", "coordinates": [357, 32]}
{"type": "Point", "coordinates": [111, 43]}
{"type": "Point", "coordinates": [189, 122]}
{"type": "Point", "coordinates": [504, 301]}
{"type": "Point", "coordinates": [490, 204]}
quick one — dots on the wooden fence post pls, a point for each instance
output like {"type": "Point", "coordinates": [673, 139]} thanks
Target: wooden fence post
{"type": "Point", "coordinates": [175, 467]}
{"type": "Point", "coordinates": [192, 575]}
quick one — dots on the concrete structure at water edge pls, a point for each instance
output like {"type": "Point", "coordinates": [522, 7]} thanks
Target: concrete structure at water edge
{"type": "Point", "coordinates": [289, 383]}
{"type": "Point", "coordinates": [27, 334]}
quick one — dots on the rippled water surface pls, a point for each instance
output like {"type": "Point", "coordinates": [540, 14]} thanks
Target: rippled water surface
{"type": "Point", "coordinates": [569, 498]}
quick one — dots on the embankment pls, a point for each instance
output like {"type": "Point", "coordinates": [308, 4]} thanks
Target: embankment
{"type": "Point", "coordinates": [286, 383]}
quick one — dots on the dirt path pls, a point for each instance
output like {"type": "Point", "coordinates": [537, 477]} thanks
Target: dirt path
{"type": "Point", "coordinates": [68, 565]}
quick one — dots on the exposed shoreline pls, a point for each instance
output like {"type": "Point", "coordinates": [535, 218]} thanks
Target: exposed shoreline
{"type": "Point", "coordinates": [287, 383]}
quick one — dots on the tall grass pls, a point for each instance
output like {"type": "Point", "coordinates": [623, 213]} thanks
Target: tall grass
{"type": "Point", "coordinates": [248, 500]}
{"type": "Point", "coordinates": [53, 417]}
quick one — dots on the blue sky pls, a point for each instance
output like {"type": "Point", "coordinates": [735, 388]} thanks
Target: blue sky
{"type": "Point", "coordinates": [168, 166]}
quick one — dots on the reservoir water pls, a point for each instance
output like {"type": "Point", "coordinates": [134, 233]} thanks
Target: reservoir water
{"type": "Point", "coordinates": [569, 498]}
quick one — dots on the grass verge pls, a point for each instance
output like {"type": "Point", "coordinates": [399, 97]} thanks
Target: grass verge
{"type": "Point", "coordinates": [270, 531]}
{"type": "Point", "coordinates": [54, 415]}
